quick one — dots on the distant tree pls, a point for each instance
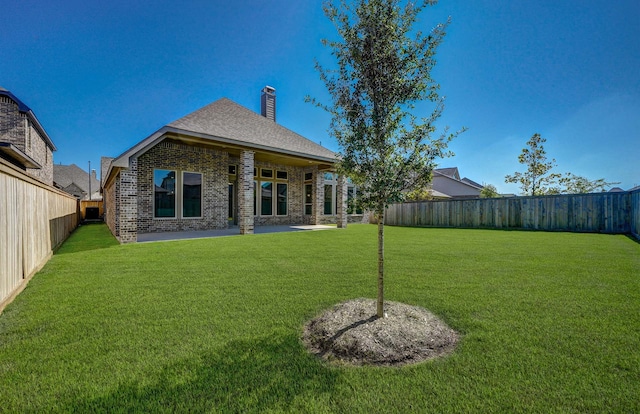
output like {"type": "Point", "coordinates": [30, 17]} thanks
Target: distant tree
{"type": "Point", "coordinates": [575, 184]}
{"type": "Point", "coordinates": [419, 194]}
{"type": "Point", "coordinates": [384, 69]}
{"type": "Point", "coordinates": [489, 191]}
{"type": "Point", "coordinates": [537, 180]}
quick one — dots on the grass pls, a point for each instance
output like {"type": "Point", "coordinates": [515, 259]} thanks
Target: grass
{"type": "Point", "coordinates": [550, 323]}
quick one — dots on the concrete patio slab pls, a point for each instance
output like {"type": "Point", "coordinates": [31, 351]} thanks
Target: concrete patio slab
{"type": "Point", "coordinates": [232, 231]}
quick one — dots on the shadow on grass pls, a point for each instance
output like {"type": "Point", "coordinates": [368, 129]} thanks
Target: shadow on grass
{"type": "Point", "coordinates": [259, 375]}
{"type": "Point", "coordinates": [87, 237]}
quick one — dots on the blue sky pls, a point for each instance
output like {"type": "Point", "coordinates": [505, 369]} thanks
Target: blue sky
{"type": "Point", "coordinates": [102, 76]}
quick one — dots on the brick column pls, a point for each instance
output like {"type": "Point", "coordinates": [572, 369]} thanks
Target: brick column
{"type": "Point", "coordinates": [128, 214]}
{"type": "Point", "coordinates": [245, 192]}
{"type": "Point", "coordinates": [317, 209]}
{"type": "Point", "coordinates": [341, 208]}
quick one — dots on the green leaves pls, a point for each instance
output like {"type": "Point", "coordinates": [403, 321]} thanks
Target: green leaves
{"type": "Point", "coordinates": [538, 180]}
{"type": "Point", "coordinates": [383, 69]}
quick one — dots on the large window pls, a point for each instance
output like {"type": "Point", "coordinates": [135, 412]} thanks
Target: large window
{"type": "Point", "coordinates": [308, 198]}
{"type": "Point", "coordinates": [282, 199]}
{"type": "Point", "coordinates": [266, 198]}
{"type": "Point", "coordinates": [328, 199]}
{"type": "Point", "coordinates": [191, 194]}
{"type": "Point", "coordinates": [352, 205]}
{"type": "Point", "coordinates": [164, 183]}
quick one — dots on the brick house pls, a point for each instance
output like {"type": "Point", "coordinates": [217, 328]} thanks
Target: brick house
{"type": "Point", "coordinates": [23, 141]}
{"type": "Point", "coordinates": [220, 166]}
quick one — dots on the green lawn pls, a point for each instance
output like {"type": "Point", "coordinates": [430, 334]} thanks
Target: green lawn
{"type": "Point", "coordinates": [550, 322]}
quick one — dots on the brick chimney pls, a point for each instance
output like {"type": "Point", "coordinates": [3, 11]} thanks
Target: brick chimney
{"type": "Point", "coordinates": [268, 103]}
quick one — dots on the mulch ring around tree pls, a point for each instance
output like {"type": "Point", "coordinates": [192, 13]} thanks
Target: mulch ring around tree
{"type": "Point", "coordinates": [351, 334]}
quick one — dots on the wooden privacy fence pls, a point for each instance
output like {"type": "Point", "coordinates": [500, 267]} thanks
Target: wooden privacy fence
{"type": "Point", "coordinates": [635, 214]}
{"type": "Point", "coordinates": [597, 213]}
{"type": "Point", "coordinates": [34, 220]}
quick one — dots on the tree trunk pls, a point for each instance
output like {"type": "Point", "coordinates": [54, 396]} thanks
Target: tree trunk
{"type": "Point", "coordinates": [380, 307]}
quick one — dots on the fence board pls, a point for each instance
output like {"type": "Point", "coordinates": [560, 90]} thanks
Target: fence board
{"type": "Point", "coordinates": [34, 220]}
{"type": "Point", "coordinates": [634, 207]}
{"type": "Point", "coordinates": [598, 213]}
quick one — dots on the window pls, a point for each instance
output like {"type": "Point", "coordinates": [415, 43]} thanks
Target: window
{"type": "Point", "coordinates": [281, 208]}
{"type": "Point", "coordinates": [231, 212]}
{"type": "Point", "coordinates": [328, 176]}
{"type": "Point", "coordinates": [308, 198]}
{"type": "Point", "coordinates": [266, 199]}
{"type": "Point", "coordinates": [308, 176]}
{"type": "Point", "coordinates": [191, 194]}
{"type": "Point", "coordinates": [352, 205]}
{"type": "Point", "coordinates": [164, 182]}
{"type": "Point", "coordinates": [282, 175]}
{"type": "Point", "coordinates": [266, 173]}
{"type": "Point", "coordinates": [255, 172]}
{"type": "Point", "coordinates": [328, 199]}
{"type": "Point", "coordinates": [233, 169]}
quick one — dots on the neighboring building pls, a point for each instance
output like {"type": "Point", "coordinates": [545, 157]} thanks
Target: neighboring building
{"type": "Point", "coordinates": [218, 166]}
{"type": "Point", "coordinates": [23, 141]}
{"type": "Point", "coordinates": [77, 182]}
{"type": "Point", "coordinates": [447, 182]}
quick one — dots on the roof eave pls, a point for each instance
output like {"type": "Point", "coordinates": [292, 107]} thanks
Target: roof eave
{"type": "Point", "coordinates": [140, 148]}
{"type": "Point", "coordinates": [15, 153]}
{"type": "Point", "coordinates": [248, 145]}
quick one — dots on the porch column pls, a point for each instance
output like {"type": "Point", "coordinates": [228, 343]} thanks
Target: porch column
{"type": "Point", "coordinates": [341, 208]}
{"type": "Point", "coordinates": [245, 192]}
{"type": "Point", "coordinates": [318, 197]}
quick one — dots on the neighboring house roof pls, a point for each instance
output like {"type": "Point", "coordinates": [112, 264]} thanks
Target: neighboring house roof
{"type": "Point", "coordinates": [471, 182]}
{"type": "Point", "coordinates": [438, 194]}
{"type": "Point", "coordinates": [616, 190]}
{"type": "Point", "coordinates": [71, 177]}
{"type": "Point", "coordinates": [227, 122]}
{"type": "Point", "coordinates": [637, 187]}
{"type": "Point", "coordinates": [449, 172]}
{"type": "Point", "coordinates": [32, 117]}
{"type": "Point", "coordinates": [447, 181]}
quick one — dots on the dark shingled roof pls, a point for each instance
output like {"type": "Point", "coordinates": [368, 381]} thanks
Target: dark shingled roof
{"type": "Point", "coordinates": [227, 119]}
{"type": "Point", "coordinates": [65, 175]}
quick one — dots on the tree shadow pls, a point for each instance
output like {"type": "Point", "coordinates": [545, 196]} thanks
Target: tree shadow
{"type": "Point", "coordinates": [268, 373]}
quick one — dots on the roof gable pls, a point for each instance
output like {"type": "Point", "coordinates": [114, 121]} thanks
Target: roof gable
{"type": "Point", "coordinates": [227, 119]}
{"type": "Point", "coordinates": [449, 172]}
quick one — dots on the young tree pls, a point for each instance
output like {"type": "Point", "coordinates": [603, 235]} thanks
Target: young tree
{"type": "Point", "coordinates": [537, 180]}
{"type": "Point", "coordinates": [576, 184]}
{"type": "Point", "coordinates": [383, 69]}
{"type": "Point", "coordinates": [489, 191]}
